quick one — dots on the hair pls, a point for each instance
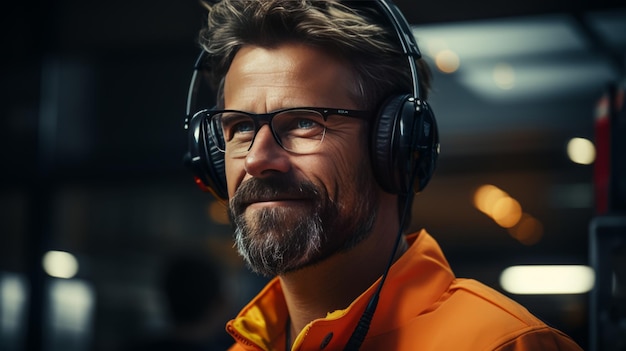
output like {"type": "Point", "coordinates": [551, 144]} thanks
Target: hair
{"type": "Point", "coordinates": [358, 35]}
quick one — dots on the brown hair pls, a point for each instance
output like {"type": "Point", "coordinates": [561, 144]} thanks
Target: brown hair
{"type": "Point", "coordinates": [356, 35]}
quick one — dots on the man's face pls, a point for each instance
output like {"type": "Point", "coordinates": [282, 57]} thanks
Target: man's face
{"type": "Point", "coordinates": [293, 210]}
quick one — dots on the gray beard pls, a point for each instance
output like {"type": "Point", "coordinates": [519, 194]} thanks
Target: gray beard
{"type": "Point", "coordinates": [283, 240]}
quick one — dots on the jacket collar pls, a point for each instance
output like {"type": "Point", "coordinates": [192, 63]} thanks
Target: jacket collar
{"type": "Point", "coordinates": [261, 324]}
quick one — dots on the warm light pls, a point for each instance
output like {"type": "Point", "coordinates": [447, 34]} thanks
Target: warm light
{"type": "Point", "coordinates": [60, 264]}
{"type": "Point", "coordinates": [506, 212]}
{"type": "Point", "coordinates": [581, 151]}
{"type": "Point", "coordinates": [502, 208]}
{"type": "Point", "coordinates": [486, 196]}
{"type": "Point", "coordinates": [504, 76]}
{"type": "Point", "coordinates": [557, 279]}
{"type": "Point", "coordinates": [528, 230]}
{"type": "Point", "coordinates": [447, 61]}
{"type": "Point", "coordinates": [217, 212]}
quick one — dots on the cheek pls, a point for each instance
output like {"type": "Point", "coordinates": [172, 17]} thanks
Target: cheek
{"type": "Point", "coordinates": [235, 173]}
{"type": "Point", "coordinates": [347, 167]}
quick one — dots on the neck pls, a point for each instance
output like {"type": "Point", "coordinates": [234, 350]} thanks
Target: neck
{"type": "Point", "coordinates": [333, 284]}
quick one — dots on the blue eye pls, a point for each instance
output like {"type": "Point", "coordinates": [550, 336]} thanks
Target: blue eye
{"type": "Point", "coordinates": [237, 126]}
{"type": "Point", "coordinates": [299, 124]}
{"type": "Point", "coordinates": [305, 124]}
{"type": "Point", "coordinates": [243, 127]}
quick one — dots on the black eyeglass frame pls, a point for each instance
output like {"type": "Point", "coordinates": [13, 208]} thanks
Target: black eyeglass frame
{"type": "Point", "coordinates": [261, 119]}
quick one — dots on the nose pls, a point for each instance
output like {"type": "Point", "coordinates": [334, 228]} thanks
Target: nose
{"type": "Point", "coordinates": [266, 156]}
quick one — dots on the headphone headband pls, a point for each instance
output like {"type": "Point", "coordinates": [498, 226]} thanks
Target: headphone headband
{"type": "Point", "coordinates": [405, 38]}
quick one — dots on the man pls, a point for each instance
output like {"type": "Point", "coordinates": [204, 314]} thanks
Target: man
{"type": "Point", "coordinates": [301, 126]}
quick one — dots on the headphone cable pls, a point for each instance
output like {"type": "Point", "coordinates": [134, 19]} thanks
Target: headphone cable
{"type": "Point", "coordinates": [362, 327]}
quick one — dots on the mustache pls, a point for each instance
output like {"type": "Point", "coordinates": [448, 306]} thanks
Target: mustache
{"type": "Point", "coordinates": [272, 188]}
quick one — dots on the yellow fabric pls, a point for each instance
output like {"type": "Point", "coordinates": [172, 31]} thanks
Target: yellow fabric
{"type": "Point", "coordinates": [422, 307]}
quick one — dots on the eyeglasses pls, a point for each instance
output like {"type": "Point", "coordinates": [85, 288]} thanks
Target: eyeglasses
{"type": "Point", "coordinates": [299, 130]}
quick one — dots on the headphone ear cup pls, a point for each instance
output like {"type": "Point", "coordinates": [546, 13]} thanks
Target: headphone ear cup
{"type": "Point", "coordinates": [384, 150]}
{"type": "Point", "coordinates": [404, 146]}
{"type": "Point", "coordinates": [205, 160]}
{"type": "Point", "coordinates": [428, 146]}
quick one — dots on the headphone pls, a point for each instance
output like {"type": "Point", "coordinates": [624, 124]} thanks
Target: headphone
{"type": "Point", "coordinates": [404, 144]}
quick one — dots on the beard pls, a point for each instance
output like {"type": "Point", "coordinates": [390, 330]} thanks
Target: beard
{"type": "Point", "coordinates": [278, 240]}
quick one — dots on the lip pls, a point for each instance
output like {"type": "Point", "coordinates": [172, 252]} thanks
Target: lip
{"type": "Point", "coordinates": [276, 202]}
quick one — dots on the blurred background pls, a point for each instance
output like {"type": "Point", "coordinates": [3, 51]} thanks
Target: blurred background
{"type": "Point", "coordinates": [97, 207]}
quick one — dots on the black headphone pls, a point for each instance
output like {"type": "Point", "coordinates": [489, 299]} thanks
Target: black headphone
{"type": "Point", "coordinates": [404, 141]}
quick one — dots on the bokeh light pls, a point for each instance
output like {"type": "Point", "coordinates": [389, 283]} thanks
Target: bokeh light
{"type": "Point", "coordinates": [447, 61]}
{"type": "Point", "coordinates": [547, 279]}
{"type": "Point", "coordinates": [60, 264]}
{"type": "Point", "coordinates": [581, 151]}
{"type": "Point", "coordinates": [504, 76]}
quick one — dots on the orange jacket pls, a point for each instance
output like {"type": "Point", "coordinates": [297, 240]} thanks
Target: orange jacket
{"type": "Point", "coordinates": [422, 307]}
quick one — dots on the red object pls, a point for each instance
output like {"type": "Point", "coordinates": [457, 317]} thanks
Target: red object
{"type": "Point", "coordinates": [602, 166]}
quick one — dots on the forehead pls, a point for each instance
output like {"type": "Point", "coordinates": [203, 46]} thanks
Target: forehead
{"type": "Point", "coordinates": [288, 75]}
